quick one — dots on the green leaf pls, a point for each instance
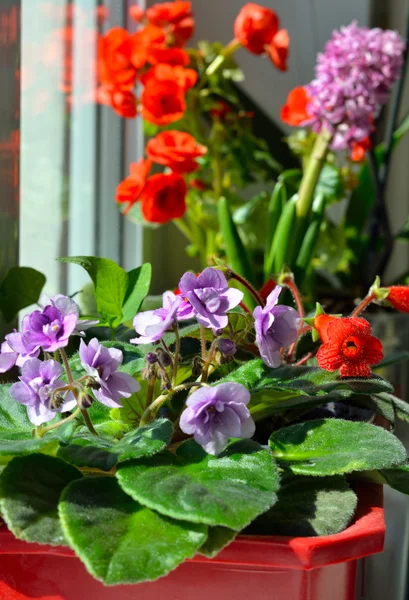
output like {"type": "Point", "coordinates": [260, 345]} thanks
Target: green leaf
{"type": "Point", "coordinates": [394, 358]}
{"type": "Point", "coordinates": [400, 407]}
{"type": "Point", "coordinates": [20, 288]}
{"type": "Point", "coordinates": [330, 183]}
{"type": "Point", "coordinates": [139, 281]}
{"type": "Point", "coordinates": [14, 422]}
{"type": "Point", "coordinates": [111, 285]}
{"type": "Point", "coordinates": [217, 539]}
{"type": "Point", "coordinates": [120, 541]}
{"type": "Point", "coordinates": [397, 478]}
{"type": "Point", "coordinates": [30, 489]}
{"type": "Point", "coordinates": [228, 490]}
{"type": "Point", "coordinates": [333, 446]}
{"type": "Point", "coordinates": [309, 506]}
{"type": "Point", "coordinates": [97, 452]}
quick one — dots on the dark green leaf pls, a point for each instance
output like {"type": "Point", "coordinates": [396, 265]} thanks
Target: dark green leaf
{"type": "Point", "coordinates": [97, 452]}
{"type": "Point", "coordinates": [138, 287]}
{"type": "Point", "coordinates": [334, 446]}
{"type": "Point", "coordinates": [394, 358]}
{"type": "Point", "coordinates": [20, 288]}
{"type": "Point", "coordinates": [111, 285]}
{"type": "Point", "coordinates": [30, 489]}
{"type": "Point", "coordinates": [217, 539]}
{"type": "Point", "coordinates": [14, 422]}
{"type": "Point", "coordinates": [397, 478]}
{"type": "Point", "coordinates": [228, 490]}
{"type": "Point", "coordinates": [120, 541]}
{"type": "Point", "coordinates": [330, 183]}
{"type": "Point", "coordinates": [309, 506]}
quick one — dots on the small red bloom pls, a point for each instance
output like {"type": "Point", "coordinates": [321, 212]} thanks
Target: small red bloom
{"type": "Point", "coordinates": [294, 112]}
{"type": "Point", "coordinates": [114, 58]}
{"type": "Point", "coordinates": [137, 13]}
{"type": "Point", "coordinates": [142, 41]}
{"type": "Point", "coordinates": [398, 297]}
{"type": "Point", "coordinates": [278, 49]}
{"type": "Point", "coordinates": [348, 346]}
{"type": "Point", "coordinates": [359, 149]}
{"type": "Point", "coordinates": [163, 198]}
{"type": "Point", "coordinates": [176, 17]}
{"type": "Point", "coordinates": [163, 102]}
{"type": "Point", "coordinates": [184, 78]}
{"type": "Point", "coordinates": [255, 27]}
{"type": "Point", "coordinates": [168, 56]}
{"type": "Point", "coordinates": [129, 191]}
{"type": "Point", "coordinates": [176, 150]}
{"type": "Point", "coordinates": [221, 109]}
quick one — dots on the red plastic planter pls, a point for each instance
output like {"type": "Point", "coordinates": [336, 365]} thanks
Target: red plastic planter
{"type": "Point", "coordinates": [266, 568]}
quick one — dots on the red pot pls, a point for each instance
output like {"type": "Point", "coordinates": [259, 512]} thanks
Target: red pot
{"type": "Point", "coordinates": [266, 568]}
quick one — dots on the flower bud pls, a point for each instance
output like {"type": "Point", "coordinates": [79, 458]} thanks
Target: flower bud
{"type": "Point", "coordinates": [226, 346]}
{"type": "Point", "coordinates": [163, 357]}
{"type": "Point", "coordinates": [151, 358]}
{"type": "Point", "coordinates": [197, 366]}
{"type": "Point", "coordinates": [85, 401]}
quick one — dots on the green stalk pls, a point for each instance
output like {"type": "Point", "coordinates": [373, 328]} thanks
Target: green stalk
{"type": "Point", "coordinates": [312, 174]}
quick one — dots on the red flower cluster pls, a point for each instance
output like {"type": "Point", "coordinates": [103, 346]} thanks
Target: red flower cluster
{"type": "Point", "coordinates": [162, 195]}
{"type": "Point", "coordinates": [398, 297]}
{"type": "Point", "coordinates": [258, 29]}
{"type": "Point", "coordinates": [348, 345]}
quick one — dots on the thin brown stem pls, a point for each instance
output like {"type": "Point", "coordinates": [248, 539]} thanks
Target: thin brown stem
{"type": "Point", "coordinates": [176, 355]}
{"type": "Point", "coordinates": [305, 358]}
{"type": "Point", "coordinates": [149, 393]}
{"type": "Point", "coordinates": [290, 283]}
{"type": "Point", "coordinates": [203, 344]}
{"type": "Point", "coordinates": [248, 286]}
{"type": "Point", "coordinates": [363, 304]}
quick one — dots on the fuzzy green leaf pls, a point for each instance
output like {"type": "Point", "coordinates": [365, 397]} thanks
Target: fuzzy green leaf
{"type": "Point", "coordinates": [30, 489]}
{"type": "Point", "coordinates": [139, 281]}
{"type": "Point", "coordinates": [120, 541]}
{"type": "Point", "coordinates": [217, 539]}
{"type": "Point", "coordinates": [228, 490]}
{"type": "Point", "coordinates": [20, 288]}
{"type": "Point", "coordinates": [333, 446]}
{"type": "Point", "coordinates": [97, 452]}
{"type": "Point", "coordinates": [309, 506]}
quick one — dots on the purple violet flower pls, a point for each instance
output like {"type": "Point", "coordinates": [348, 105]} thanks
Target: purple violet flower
{"type": "Point", "coordinates": [354, 76]}
{"type": "Point", "coordinates": [152, 324]}
{"type": "Point", "coordinates": [102, 363]}
{"type": "Point", "coordinates": [15, 352]}
{"type": "Point", "coordinates": [37, 382]}
{"type": "Point", "coordinates": [208, 298]}
{"type": "Point", "coordinates": [276, 327]}
{"type": "Point", "coordinates": [213, 414]}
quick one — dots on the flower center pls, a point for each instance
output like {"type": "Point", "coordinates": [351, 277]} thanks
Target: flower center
{"type": "Point", "coordinates": [351, 347]}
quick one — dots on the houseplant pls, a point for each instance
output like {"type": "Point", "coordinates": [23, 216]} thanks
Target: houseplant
{"type": "Point", "coordinates": [137, 455]}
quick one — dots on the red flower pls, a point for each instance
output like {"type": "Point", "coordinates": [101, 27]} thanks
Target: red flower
{"type": "Point", "coordinates": [168, 56]}
{"type": "Point", "coordinates": [184, 78]}
{"type": "Point", "coordinates": [163, 198]}
{"type": "Point", "coordinates": [176, 17]}
{"type": "Point", "coordinates": [129, 191]}
{"type": "Point", "coordinates": [255, 27]}
{"type": "Point", "coordinates": [121, 100]}
{"type": "Point", "coordinates": [163, 102]}
{"type": "Point", "coordinates": [359, 149]}
{"type": "Point", "coordinates": [294, 112]}
{"type": "Point", "coordinates": [278, 49]}
{"type": "Point", "coordinates": [142, 42]}
{"type": "Point", "coordinates": [198, 184]}
{"type": "Point", "coordinates": [176, 150]}
{"type": "Point", "coordinates": [399, 297]}
{"type": "Point", "coordinates": [221, 110]}
{"type": "Point", "coordinates": [348, 346]}
{"type": "Point", "coordinates": [114, 58]}
{"type": "Point", "coordinates": [137, 13]}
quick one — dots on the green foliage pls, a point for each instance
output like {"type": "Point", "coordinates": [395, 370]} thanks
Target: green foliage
{"type": "Point", "coordinates": [333, 447]}
{"type": "Point", "coordinates": [120, 541]}
{"type": "Point", "coordinates": [90, 451]}
{"type": "Point", "coordinates": [21, 287]}
{"type": "Point", "coordinates": [309, 506]}
{"type": "Point", "coordinates": [118, 294]}
{"type": "Point", "coordinates": [229, 490]}
{"type": "Point", "coordinates": [30, 489]}
{"type": "Point", "coordinates": [217, 539]}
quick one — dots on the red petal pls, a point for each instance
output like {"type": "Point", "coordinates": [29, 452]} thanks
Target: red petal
{"type": "Point", "coordinates": [329, 357]}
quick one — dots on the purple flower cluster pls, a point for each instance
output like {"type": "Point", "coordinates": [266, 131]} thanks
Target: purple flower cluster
{"type": "Point", "coordinates": [101, 364]}
{"type": "Point", "coordinates": [38, 381]}
{"type": "Point", "coordinates": [276, 327]}
{"type": "Point", "coordinates": [354, 76]}
{"type": "Point", "coordinates": [48, 329]}
{"type": "Point", "coordinates": [213, 414]}
{"type": "Point", "coordinates": [152, 324]}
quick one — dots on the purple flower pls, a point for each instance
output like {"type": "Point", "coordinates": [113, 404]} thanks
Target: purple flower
{"type": "Point", "coordinates": [213, 414]}
{"type": "Point", "coordinates": [37, 382]}
{"type": "Point", "coordinates": [152, 324]}
{"type": "Point", "coordinates": [276, 327]}
{"type": "Point", "coordinates": [208, 298]}
{"type": "Point", "coordinates": [354, 76]}
{"type": "Point", "coordinates": [102, 363]}
{"type": "Point", "coordinates": [15, 352]}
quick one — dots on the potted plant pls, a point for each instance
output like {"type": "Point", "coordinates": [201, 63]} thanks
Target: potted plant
{"type": "Point", "coordinates": [205, 425]}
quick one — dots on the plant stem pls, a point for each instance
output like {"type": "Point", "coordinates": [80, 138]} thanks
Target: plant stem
{"type": "Point", "coordinates": [176, 355]}
{"type": "Point", "coordinates": [184, 228]}
{"type": "Point", "coordinates": [229, 50]}
{"type": "Point", "coordinates": [73, 416]}
{"type": "Point", "coordinates": [248, 286]}
{"type": "Point", "coordinates": [75, 392]}
{"type": "Point", "coordinates": [290, 283]}
{"type": "Point", "coordinates": [363, 304]}
{"type": "Point", "coordinates": [149, 393]}
{"type": "Point", "coordinates": [208, 362]}
{"type": "Point", "coordinates": [312, 174]}
{"type": "Point", "coordinates": [164, 397]}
